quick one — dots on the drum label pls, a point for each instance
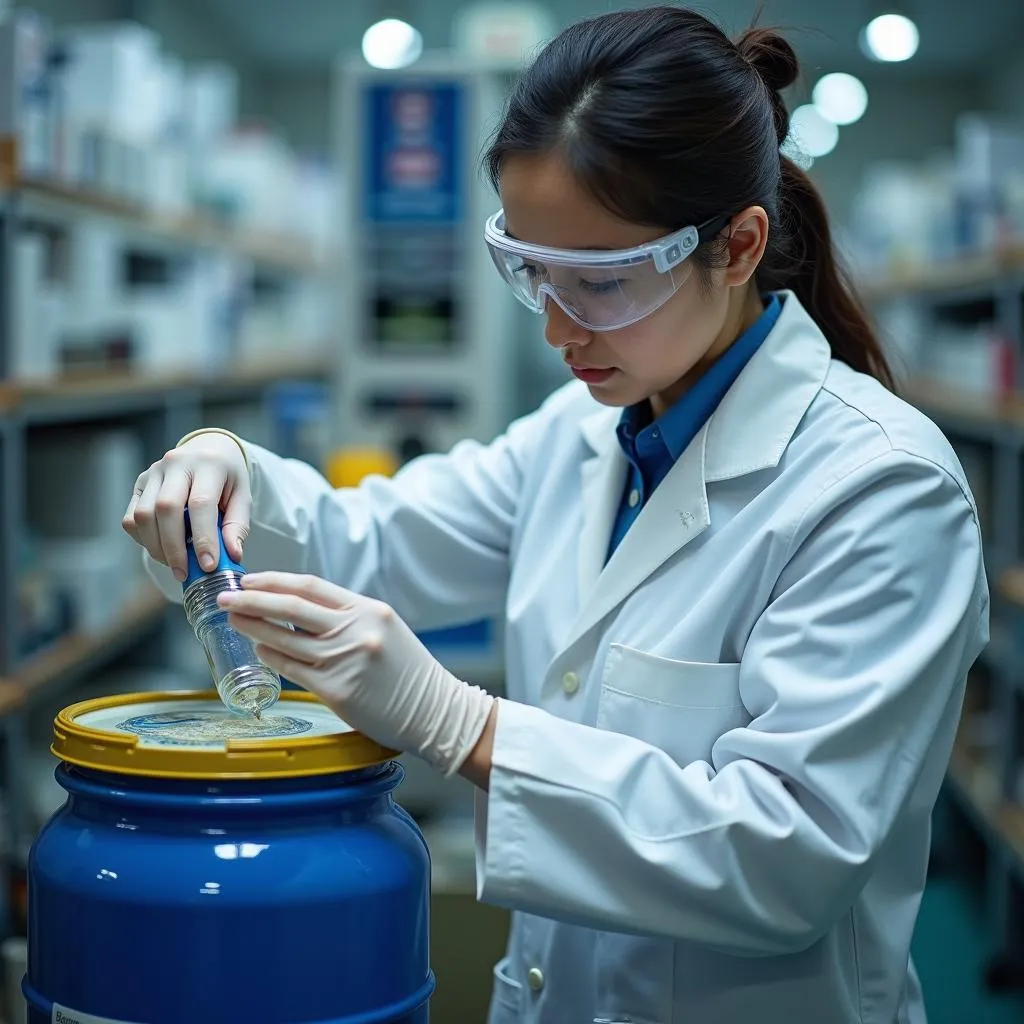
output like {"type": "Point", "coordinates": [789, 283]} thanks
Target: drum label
{"type": "Point", "coordinates": [62, 1015]}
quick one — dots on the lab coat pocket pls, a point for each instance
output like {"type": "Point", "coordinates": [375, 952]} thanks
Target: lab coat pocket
{"type": "Point", "coordinates": [680, 706]}
{"type": "Point", "coordinates": [507, 996]}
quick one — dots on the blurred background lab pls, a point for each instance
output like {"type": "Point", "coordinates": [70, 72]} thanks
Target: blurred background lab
{"type": "Point", "coordinates": [267, 215]}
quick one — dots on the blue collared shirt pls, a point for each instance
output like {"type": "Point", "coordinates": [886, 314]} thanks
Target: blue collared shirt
{"type": "Point", "coordinates": [653, 447]}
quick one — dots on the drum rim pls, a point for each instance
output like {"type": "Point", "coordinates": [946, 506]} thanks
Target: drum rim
{"type": "Point", "coordinates": [267, 758]}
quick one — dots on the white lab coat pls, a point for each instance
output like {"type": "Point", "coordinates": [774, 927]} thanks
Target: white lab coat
{"type": "Point", "coordinates": [712, 783]}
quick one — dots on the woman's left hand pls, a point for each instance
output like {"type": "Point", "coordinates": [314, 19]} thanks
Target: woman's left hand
{"type": "Point", "coordinates": [364, 662]}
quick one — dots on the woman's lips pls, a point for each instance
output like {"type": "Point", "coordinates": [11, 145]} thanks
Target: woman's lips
{"type": "Point", "coordinates": [590, 375]}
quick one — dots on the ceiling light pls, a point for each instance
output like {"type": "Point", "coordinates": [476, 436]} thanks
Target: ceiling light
{"type": "Point", "coordinates": [813, 134]}
{"type": "Point", "coordinates": [392, 44]}
{"type": "Point", "coordinates": [841, 98]}
{"type": "Point", "coordinates": [890, 38]}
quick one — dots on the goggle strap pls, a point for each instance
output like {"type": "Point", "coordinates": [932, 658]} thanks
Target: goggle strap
{"type": "Point", "coordinates": [712, 227]}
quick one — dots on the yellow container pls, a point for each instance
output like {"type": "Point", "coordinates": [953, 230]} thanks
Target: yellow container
{"type": "Point", "coordinates": [348, 466]}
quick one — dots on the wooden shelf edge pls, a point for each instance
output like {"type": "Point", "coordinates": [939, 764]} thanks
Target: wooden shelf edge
{"type": "Point", "coordinates": [268, 371]}
{"type": "Point", "coordinates": [142, 610]}
{"type": "Point", "coordinates": [1002, 410]}
{"type": "Point", "coordinates": [13, 395]}
{"type": "Point", "coordinates": [954, 274]}
{"type": "Point", "coordinates": [1010, 585]}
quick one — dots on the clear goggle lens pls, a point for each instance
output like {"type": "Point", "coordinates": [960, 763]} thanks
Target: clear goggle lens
{"type": "Point", "coordinates": [602, 291]}
{"type": "Point", "coordinates": [598, 298]}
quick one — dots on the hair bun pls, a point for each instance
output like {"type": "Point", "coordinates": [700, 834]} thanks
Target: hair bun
{"type": "Point", "coordinates": [771, 57]}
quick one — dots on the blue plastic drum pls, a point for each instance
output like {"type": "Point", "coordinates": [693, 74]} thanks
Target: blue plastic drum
{"type": "Point", "coordinates": [209, 869]}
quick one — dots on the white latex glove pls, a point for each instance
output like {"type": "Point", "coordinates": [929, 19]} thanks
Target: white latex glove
{"type": "Point", "coordinates": [207, 472]}
{"type": "Point", "coordinates": [363, 662]}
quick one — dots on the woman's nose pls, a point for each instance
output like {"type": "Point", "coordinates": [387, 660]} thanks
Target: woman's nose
{"type": "Point", "coordinates": [560, 329]}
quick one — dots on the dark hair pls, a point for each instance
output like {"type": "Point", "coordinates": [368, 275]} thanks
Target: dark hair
{"type": "Point", "coordinates": [667, 122]}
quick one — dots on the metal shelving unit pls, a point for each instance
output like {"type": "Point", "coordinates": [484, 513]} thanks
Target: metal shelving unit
{"type": "Point", "coordinates": [983, 784]}
{"type": "Point", "coordinates": [161, 408]}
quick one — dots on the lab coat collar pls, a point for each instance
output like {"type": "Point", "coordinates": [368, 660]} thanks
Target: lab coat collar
{"type": "Point", "coordinates": [759, 414]}
{"type": "Point", "coordinates": [748, 432]}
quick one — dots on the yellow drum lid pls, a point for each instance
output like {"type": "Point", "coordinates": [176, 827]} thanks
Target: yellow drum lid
{"type": "Point", "coordinates": [191, 735]}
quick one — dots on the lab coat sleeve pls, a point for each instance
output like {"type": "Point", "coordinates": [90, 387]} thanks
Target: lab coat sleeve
{"type": "Point", "coordinates": [853, 675]}
{"type": "Point", "coordinates": [432, 541]}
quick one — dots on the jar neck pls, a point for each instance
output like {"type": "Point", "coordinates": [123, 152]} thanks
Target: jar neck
{"type": "Point", "coordinates": [200, 802]}
{"type": "Point", "coordinates": [200, 598]}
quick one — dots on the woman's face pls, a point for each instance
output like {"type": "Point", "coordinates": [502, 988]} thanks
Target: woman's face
{"type": "Point", "coordinates": [659, 356]}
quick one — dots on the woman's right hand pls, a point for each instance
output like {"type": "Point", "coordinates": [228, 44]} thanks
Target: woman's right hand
{"type": "Point", "coordinates": [206, 474]}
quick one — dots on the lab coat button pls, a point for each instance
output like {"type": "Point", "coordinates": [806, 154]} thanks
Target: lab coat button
{"type": "Point", "coordinates": [570, 683]}
{"type": "Point", "coordinates": [634, 498]}
{"type": "Point", "coordinates": [535, 978]}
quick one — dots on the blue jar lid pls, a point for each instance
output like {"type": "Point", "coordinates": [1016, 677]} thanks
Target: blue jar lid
{"type": "Point", "coordinates": [224, 561]}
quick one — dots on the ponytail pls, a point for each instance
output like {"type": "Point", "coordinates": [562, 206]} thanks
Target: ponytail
{"type": "Point", "coordinates": [804, 260]}
{"type": "Point", "coordinates": [802, 255]}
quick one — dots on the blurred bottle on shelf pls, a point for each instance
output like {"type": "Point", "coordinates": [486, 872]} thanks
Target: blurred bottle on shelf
{"type": "Point", "coordinates": [967, 202]}
{"type": "Point", "coordinates": [25, 109]}
{"type": "Point", "coordinates": [102, 107]}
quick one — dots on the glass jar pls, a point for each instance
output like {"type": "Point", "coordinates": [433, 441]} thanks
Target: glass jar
{"type": "Point", "coordinates": [246, 685]}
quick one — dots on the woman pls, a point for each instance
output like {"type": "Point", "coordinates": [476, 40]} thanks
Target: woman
{"type": "Point", "coordinates": [743, 582]}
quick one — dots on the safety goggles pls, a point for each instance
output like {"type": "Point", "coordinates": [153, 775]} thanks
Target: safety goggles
{"type": "Point", "coordinates": [602, 290]}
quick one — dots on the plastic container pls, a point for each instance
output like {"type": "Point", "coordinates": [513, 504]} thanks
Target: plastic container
{"type": "Point", "coordinates": [209, 868]}
{"type": "Point", "coordinates": [245, 684]}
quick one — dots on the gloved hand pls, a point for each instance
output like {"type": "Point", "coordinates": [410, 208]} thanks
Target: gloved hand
{"type": "Point", "coordinates": [362, 661]}
{"type": "Point", "coordinates": [205, 473]}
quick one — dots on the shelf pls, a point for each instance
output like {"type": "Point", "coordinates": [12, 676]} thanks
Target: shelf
{"type": "Point", "coordinates": [70, 396]}
{"type": "Point", "coordinates": [55, 201]}
{"type": "Point", "coordinates": [975, 784]}
{"type": "Point", "coordinates": [952, 276]}
{"type": "Point", "coordinates": [1011, 586]}
{"type": "Point", "coordinates": [988, 410]}
{"type": "Point", "coordinates": [255, 376]}
{"type": "Point", "coordinates": [79, 653]}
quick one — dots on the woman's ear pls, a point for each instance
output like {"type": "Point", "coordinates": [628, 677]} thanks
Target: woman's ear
{"type": "Point", "coordinates": [748, 236]}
